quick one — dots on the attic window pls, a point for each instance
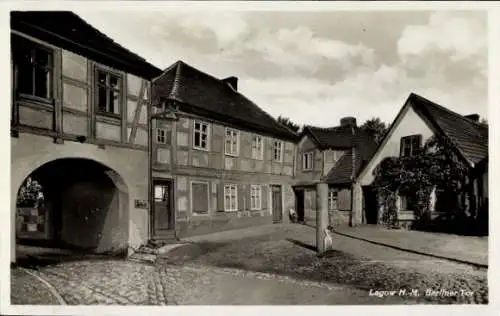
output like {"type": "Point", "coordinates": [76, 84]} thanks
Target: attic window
{"type": "Point", "coordinates": [410, 145]}
{"type": "Point", "coordinates": [307, 161]}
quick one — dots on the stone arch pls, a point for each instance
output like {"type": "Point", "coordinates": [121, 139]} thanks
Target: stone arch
{"type": "Point", "coordinates": [91, 193]}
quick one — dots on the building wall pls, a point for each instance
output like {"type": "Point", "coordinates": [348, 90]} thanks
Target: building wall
{"type": "Point", "coordinates": [410, 123]}
{"type": "Point", "coordinates": [216, 169]}
{"type": "Point", "coordinates": [43, 132]}
{"type": "Point", "coordinates": [307, 145]}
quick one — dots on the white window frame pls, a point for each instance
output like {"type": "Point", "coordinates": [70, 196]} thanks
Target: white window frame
{"type": "Point", "coordinates": [331, 199]}
{"type": "Point", "coordinates": [208, 198]}
{"type": "Point", "coordinates": [257, 147]}
{"type": "Point", "coordinates": [159, 131]}
{"type": "Point", "coordinates": [255, 196]}
{"type": "Point", "coordinates": [234, 140]}
{"type": "Point", "coordinates": [310, 165]}
{"type": "Point", "coordinates": [279, 151]}
{"type": "Point", "coordinates": [201, 133]}
{"type": "Point", "coordinates": [230, 187]}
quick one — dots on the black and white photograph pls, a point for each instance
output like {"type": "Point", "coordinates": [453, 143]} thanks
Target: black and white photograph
{"type": "Point", "coordinates": [169, 155]}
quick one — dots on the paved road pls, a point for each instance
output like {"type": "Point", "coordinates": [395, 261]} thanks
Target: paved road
{"type": "Point", "coordinates": [111, 282]}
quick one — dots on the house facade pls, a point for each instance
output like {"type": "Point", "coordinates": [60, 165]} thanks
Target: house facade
{"type": "Point", "coordinates": [418, 121]}
{"type": "Point", "coordinates": [218, 160]}
{"type": "Point", "coordinates": [332, 156]}
{"type": "Point", "coordinates": [79, 130]}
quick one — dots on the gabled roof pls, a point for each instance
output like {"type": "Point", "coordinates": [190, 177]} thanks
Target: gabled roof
{"type": "Point", "coordinates": [202, 94]}
{"type": "Point", "coordinates": [470, 137]}
{"type": "Point", "coordinates": [343, 138]}
{"type": "Point", "coordinates": [67, 30]}
{"type": "Point", "coordinates": [339, 137]}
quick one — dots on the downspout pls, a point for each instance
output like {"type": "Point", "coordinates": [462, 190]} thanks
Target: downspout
{"type": "Point", "coordinates": [353, 177]}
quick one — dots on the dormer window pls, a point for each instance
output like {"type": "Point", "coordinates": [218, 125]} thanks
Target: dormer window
{"type": "Point", "coordinates": [307, 161]}
{"type": "Point", "coordinates": [410, 145]}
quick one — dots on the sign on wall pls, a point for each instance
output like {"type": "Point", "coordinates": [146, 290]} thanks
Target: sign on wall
{"type": "Point", "coordinates": [141, 204]}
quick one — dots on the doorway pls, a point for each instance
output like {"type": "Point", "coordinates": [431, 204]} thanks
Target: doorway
{"type": "Point", "coordinates": [299, 205]}
{"type": "Point", "coordinates": [370, 205]}
{"type": "Point", "coordinates": [163, 210]}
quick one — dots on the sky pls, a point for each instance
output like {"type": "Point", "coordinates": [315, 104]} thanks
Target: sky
{"type": "Point", "coordinates": [317, 67]}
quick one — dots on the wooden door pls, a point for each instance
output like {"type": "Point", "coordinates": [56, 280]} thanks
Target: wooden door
{"type": "Point", "coordinates": [276, 200]}
{"type": "Point", "coordinates": [163, 209]}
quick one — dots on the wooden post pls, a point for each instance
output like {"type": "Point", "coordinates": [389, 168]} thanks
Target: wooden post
{"type": "Point", "coordinates": [321, 215]}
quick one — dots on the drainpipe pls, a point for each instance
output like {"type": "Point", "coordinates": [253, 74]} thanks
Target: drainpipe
{"type": "Point", "coordinates": [150, 170]}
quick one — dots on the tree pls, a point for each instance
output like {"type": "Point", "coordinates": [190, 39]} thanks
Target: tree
{"type": "Point", "coordinates": [484, 121]}
{"type": "Point", "coordinates": [288, 123]}
{"type": "Point", "coordinates": [375, 128]}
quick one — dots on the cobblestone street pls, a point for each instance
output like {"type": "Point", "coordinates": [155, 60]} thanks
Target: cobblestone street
{"type": "Point", "coordinates": [114, 282]}
{"type": "Point", "coordinates": [258, 266]}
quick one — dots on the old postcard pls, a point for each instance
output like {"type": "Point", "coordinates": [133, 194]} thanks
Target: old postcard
{"type": "Point", "coordinates": [173, 156]}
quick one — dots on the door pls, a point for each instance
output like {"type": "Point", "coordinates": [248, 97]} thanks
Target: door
{"type": "Point", "coordinates": [370, 205]}
{"type": "Point", "coordinates": [276, 200]}
{"type": "Point", "coordinates": [163, 209]}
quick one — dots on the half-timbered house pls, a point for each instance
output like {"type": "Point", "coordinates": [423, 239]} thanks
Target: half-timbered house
{"type": "Point", "coordinates": [79, 131]}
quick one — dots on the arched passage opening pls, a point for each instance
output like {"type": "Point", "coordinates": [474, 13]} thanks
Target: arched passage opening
{"type": "Point", "coordinates": [73, 203]}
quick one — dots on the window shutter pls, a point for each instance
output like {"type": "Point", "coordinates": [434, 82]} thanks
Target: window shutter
{"type": "Point", "coordinates": [418, 143]}
{"type": "Point", "coordinates": [246, 196]}
{"type": "Point", "coordinates": [265, 197]}
{"type": "Point", "coordinates": [200, 197]}
{"type": "Point", "coordinates": [344, 199]}
{"type": "Point", "coordinates": [241, 196]}
{"type": "Point", "coordinates": [220, 197]}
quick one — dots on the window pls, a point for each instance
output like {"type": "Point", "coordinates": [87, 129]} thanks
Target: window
{"type": "Point", "coordinates": [200, 136]}
{"type": "Point", "coordinates": [161, 136]}
{"type": "Point", "coordinates": [255, 197]}
{"type": "Point", "coordinates": [278, 150]}
{"type": "Point", "coordinates": [257, 147]}
{"type": "Point", "coordinates": [231, 146]}
{"type": "Point", "coordinates": [408, 202]}
{"type": "Point", "coordinates": [161, 193]}
{"type": "Point", "coordinates": [108, 92]}
{"type": "Point", "coordinates": [33, 68]}
{"type": "Point", "coordinates": [230, 198]}
{"type": "Point", "coordinates": [199, 197]}
{"type": "Point", "coordinates": [307, 161]}
{"type": "Point", "coordinates": [332, 200]}
{"type": "Point", "coordinates": [410, 145]}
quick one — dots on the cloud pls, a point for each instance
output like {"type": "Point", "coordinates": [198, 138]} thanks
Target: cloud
{"type": "Point", "coordinates": [225, 27]}
{"type": "Point", "coordinates": [299, 49]}
{"type": "Point", "coordinates": [460, 36]}
{"type": "Point", "coordinates": [316, 71]}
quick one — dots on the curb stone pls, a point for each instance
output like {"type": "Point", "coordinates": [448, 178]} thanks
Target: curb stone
{"type": "Point", "coordinates": [51, 289]}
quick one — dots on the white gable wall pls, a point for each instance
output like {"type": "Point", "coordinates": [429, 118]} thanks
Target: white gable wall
{"type": "Point", "coordinates": [410, 123]}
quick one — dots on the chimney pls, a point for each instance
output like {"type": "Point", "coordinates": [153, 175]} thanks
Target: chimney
{"type": "Point", "coordinates": [232, 81]}
{"type": "Point", "coordinates": [348, 121]}
{"type": "Point", "coordinates": [474, 117]}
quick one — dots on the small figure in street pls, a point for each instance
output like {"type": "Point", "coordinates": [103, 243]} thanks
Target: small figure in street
{"type": "Point", "coordinates": [328, 240]}
{"type": "Point", "coordinates": [293, 216]}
